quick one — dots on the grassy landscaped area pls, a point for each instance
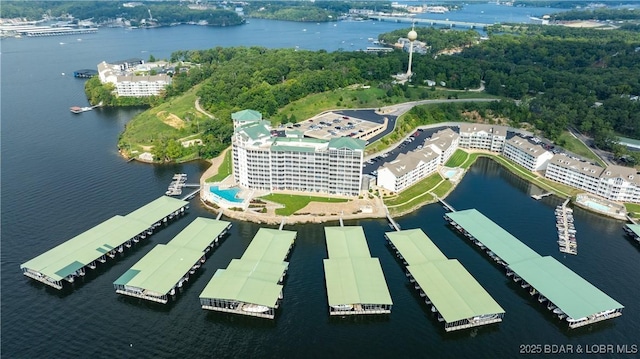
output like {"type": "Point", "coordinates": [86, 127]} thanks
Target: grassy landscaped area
{"type": "Point", "coordinates": [174, 119]}
{"type": "Point", "coordinates": [293, 203]}
{"type": "Point", "coordinates": [419, 189]}
{"type": "Point", "coordinates": [633, 209]}
{"type": "Point", "coordinates": [574, 145]}
{"type": "Point", "coordinates": [457, 159]}
{"type": "Point", "coordinates": [225, 169]}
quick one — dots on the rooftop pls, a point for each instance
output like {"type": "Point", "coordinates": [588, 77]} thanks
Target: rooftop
{"type": "Point", "coordinates": [415, 246]}
{"type": "Point", "coordinates": [160, 269]}
{"type": "Point", "coordinates": [355, 281]}
{"type": "Point", "coordinates": [453, 291]}
{"type": "Point", "coordinates": [157, 209]}
{"type": "Point", "coordinates": [494, 237]}
{"type": "Point", "coordinates": [346, 242]}
{"type": "Point", "coordinates": [571, 293]}
{"type": "Point", "coordinates": [246, 115]}
{"type": "Point", "coordinates": [230, 285]}
{"type": "Point", "coordinates": [79, 251]}
{"type": "Point", "coordinates": [199, 234]}
{"type": "Point", "coordinates": [270, 245]}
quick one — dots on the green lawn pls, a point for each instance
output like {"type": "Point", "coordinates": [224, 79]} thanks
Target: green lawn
{"type": "Point", "coordinates": [457, 159]}
{"type": "Point", "coordinates": [414, 191]}
{"type": "Point", "coordinates": [293, 203]}
{"type": "Point", "coordinates": [633, 209]}
{"type": "Point", "coordinates": [572, 144]}
{"type": "Point", "coordinates": [443, 188]}
{"type": "Point", "coordinates": [224, 170]}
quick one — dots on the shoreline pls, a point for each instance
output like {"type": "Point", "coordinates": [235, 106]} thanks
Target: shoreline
{"type": "Point", "coordinates": [379, 209]}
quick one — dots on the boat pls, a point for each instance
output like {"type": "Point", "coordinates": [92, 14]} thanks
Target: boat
{"type": "Point", "coordinates": [77, 109]}
{"type": "Point", "coordinates": [254, 308]}
{"type": "Point", "coordinates": [558, 311]}
{"type": "Point", "coordinates": [342, 307]}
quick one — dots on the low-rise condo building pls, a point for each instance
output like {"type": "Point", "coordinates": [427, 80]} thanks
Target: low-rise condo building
{"type": "Point", "coordinates": [407, 169]}
{"type": "Point", "coordinates": [263, 159]}
{"type": "Point", "coordinates": [616, 183]}
{"type": "Point", "coordinates": [483, 137]}
{"type": "Point", "coordinates": [141, 80]}
{"type": "Point", "coordinates": [529, 155]}
{"type": "Point", "coordinates": [445, 142]}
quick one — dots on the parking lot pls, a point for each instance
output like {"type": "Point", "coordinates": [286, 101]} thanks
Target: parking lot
{"type": "Point", "coordinates": [329, 125]}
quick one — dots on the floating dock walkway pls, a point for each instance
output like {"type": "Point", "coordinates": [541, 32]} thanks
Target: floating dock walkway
{"type": "Point", "coordinates": [447, 287]}
{"type": "Point", "coordinates": [566, 229]}
{"type": "Point", "coordinates": [446, 205]}
{"type": "Point", "coordinates": [165, 268]}
{"type": "Point", "coordinates": [568, 295]}
{"type": "Point", "coordinates": [355, 282]}
{"type": "Point", "coordinates": [252, 285]}
{"type": "Point", "coordinates": [70, 260]}
{"type": "Point", "coordinates": [538, 197]}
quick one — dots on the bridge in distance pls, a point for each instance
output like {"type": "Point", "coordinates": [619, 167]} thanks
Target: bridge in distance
{"type": "Point", "coordinates": [431, 22]}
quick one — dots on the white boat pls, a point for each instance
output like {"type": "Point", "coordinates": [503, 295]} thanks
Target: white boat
{"type": "Point", "coordinates": [342, 307]}
{"type": "Point", "coordinates": [254, 308]}
{"type": "Point", "coordinates": [173, 291]}
{"type": "Point", "coordinates": [558, 311]}
{"type": "Point", "coordinates": [571, 320]}
{"type": "Point", "coordinates": [485, 317]}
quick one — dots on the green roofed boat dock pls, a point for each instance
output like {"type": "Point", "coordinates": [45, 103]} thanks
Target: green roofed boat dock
{"type": "Point", "coordinates": [252, 285]}
{"type": "Point", "coordinates": [70, 260]}
{"type": "Point", "coordinates": [355, 282]}
{"type": "Point", "coordinates": [451, 291]}
{"type": "Point", "coordinates": [165, 268]}
{"type": "Point", "coordinates": [569, 296]}
{"type": "Point", "coordinates": [633, 230]}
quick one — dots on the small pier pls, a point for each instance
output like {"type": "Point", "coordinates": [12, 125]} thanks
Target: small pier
{"type": "Point", "coordinates": [282, 224]}
{"type": "Point", "coordinates": [392, 222]}
{"type": "Point", "coordinates": [538, 197]}
{"type": "Point", "coordinates": [191, 195]}
{"type": "Point", "coordinates": [179, 180]}
{"type": "Point", "coordinates": [219, 215]}
{"type": "Point", "coordinates": [446, 205]}
{"type": "Point", "coordinates": [566, 229]}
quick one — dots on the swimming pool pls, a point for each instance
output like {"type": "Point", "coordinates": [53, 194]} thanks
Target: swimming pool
{"type": "Point", "coordinates": [450, 173]}
{"type": "Point", "coordinates": [597, 206]}
{"type": "Point", "coordinates": [228, 194]}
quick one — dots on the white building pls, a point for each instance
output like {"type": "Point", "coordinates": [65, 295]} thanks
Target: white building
{"type": "Point", "coordinates": [528, 155]}
{"type": "Point", "coordinates": [444, 142]}
{"type": "Point", "coordinates": [616, 183]}
{"type": "Point", "coordinates": [574, 172]}
{"type": "Point", "coordinates": [407, 169]}
{"type": "Point", "coordinates": [134, 81]}
{"type": "Point", "coordinates": [483, 137]}
{"type": "Point", "coordinates": [263, 161]}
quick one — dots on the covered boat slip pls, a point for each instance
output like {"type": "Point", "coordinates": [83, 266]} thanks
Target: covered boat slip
{"type": "Point", "coordinates": [251, 285]}
{"type": "Point", "coordinates": [158, 273]}
{"type": "Point", "coordinates": [355, 282]}
{"type": "Point", "coordinates": [461, 302]}
{"type": "Point", "coordinates": [633, 230]}
{"type": "Point", "coordinates": [201, 234]}
{"type": "Point", "coordinates": [346, 242]}
{"type": "Point", "coordinates": [500, 245]}
{"type": "Point", "coordinates": [569, 296]}
{"type": "Point", "coordinates": [167, 267]}
{"type": "Point", "coordinates": [160, 210]}
{"type": "Point", "coordinates": [414, 246]}
{"type": "Point", "coordinates": [578, 300]}
{"type": "Point", "coordinates": [69, 259]}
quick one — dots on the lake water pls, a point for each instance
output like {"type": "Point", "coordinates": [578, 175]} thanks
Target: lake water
{"type": "Point", "coordinates": [61, 175]}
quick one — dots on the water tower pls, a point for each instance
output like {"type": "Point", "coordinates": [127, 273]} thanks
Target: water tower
{"type": "Point", "coordinates": [412, 36]}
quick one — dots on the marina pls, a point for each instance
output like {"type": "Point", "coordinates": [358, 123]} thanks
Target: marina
{"type": "Point", "coordinates": [252, 285]}
{"type": "Point", "coordinates": [566, 229]}
{"type": "Point", "coordinates": [355, 282]}
{"type": "Point", "coordinates": [454, 295]}
{"type": "Point", "coordinates": [70, 260]}
{"type": "Point", "coordinates": [39, 31]}
{"type": "Point", "coordinates": [573, 299]}
{"type": "Point", "coordinates": [161, 272]}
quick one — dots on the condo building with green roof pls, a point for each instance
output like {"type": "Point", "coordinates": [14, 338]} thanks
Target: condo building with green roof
{"type": "Point", "coordinates": [268, 159]}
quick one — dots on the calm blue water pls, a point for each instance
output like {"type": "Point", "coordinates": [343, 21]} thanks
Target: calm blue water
{"type": "Point", "coordinates": [228, 194]}
{"type": "Point", "coordinates": [61, 175]}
